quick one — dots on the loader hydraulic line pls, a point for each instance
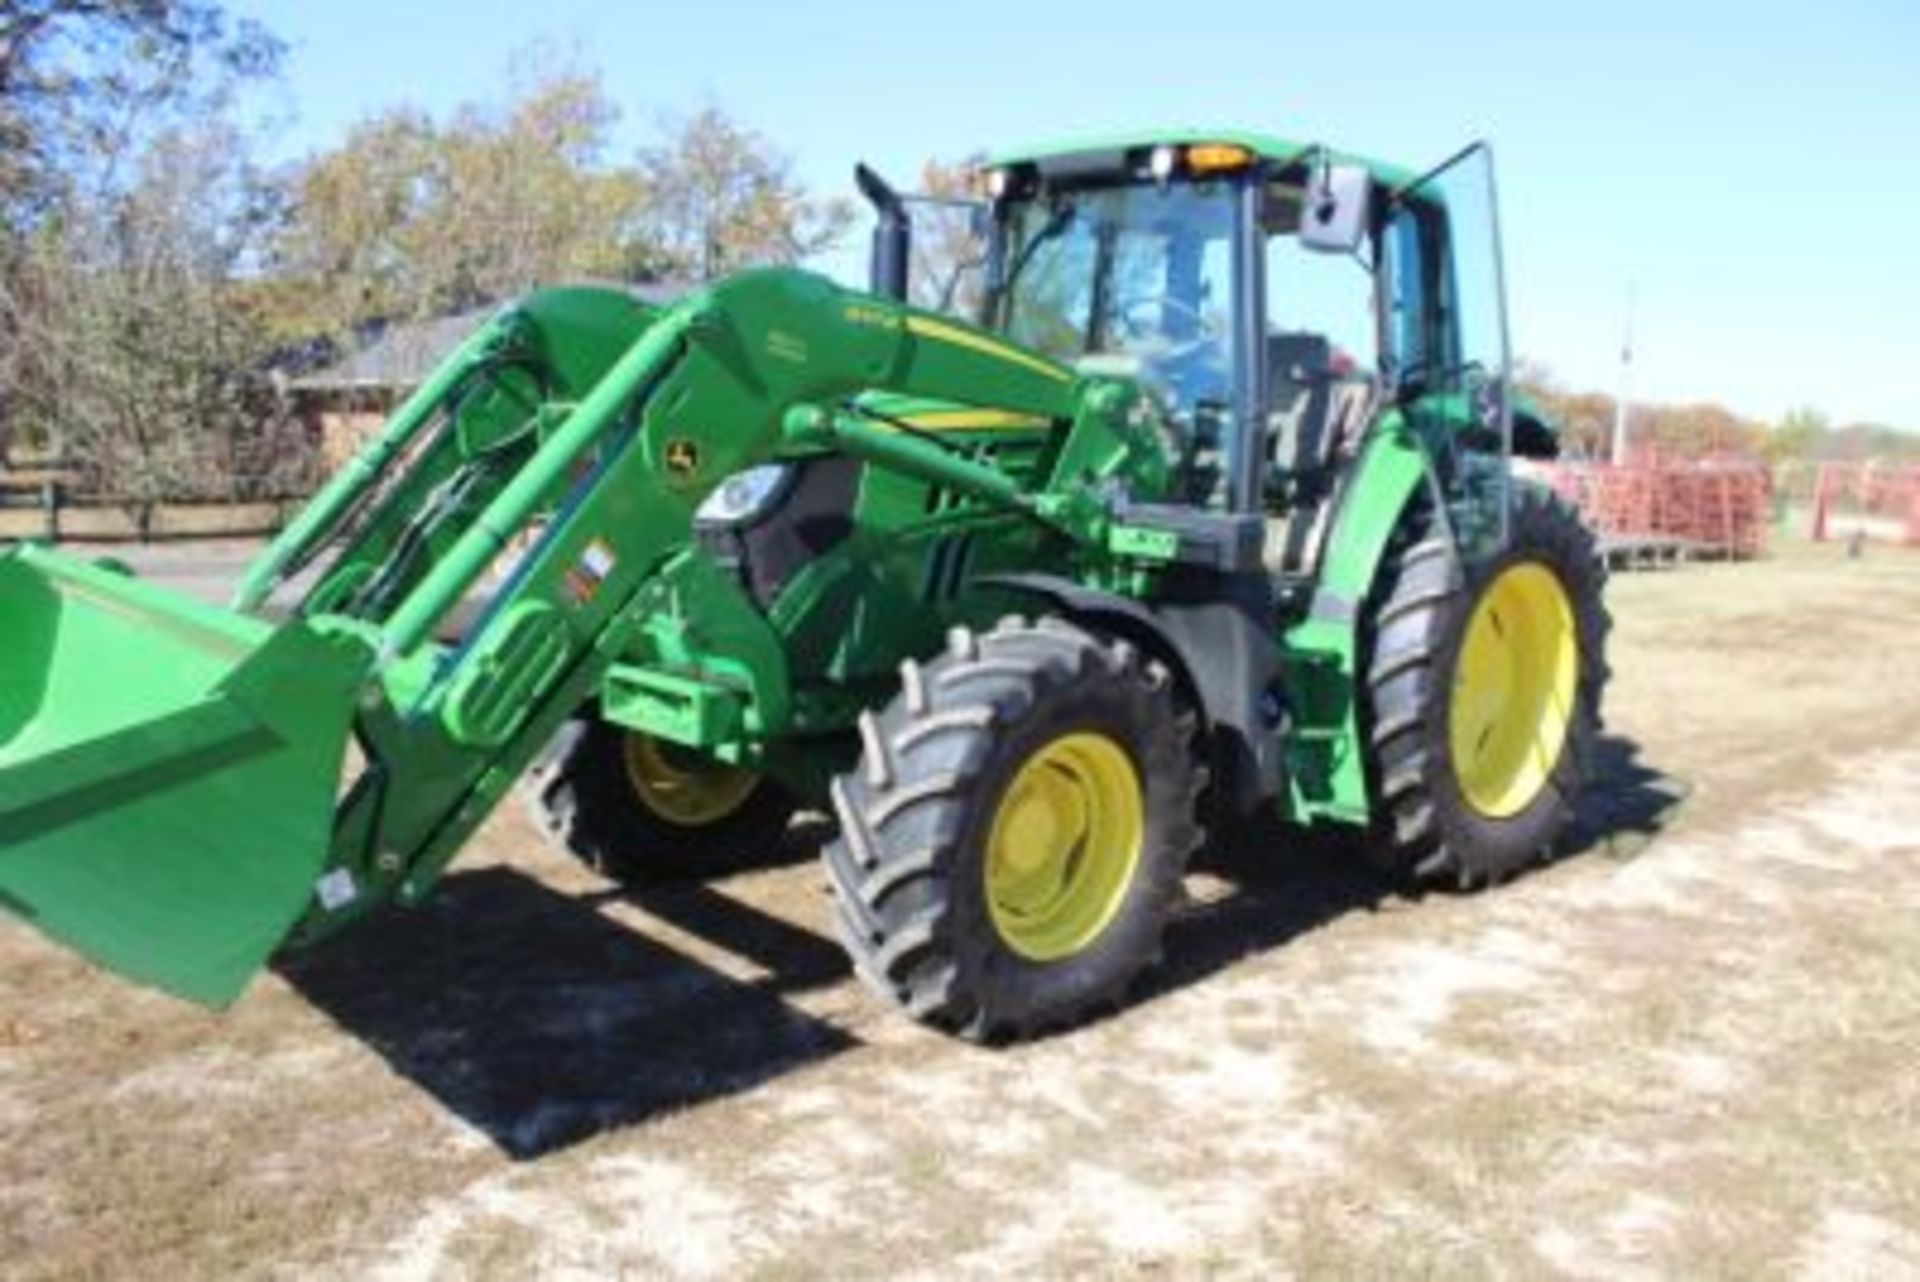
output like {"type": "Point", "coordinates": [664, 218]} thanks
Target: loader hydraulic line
{"type": "Point", "coordinates": [321, 516]}
{"type": "Point", "coordinates": [860, 436]}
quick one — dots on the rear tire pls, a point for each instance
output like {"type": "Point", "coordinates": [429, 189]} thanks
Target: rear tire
{"type": "Point", "coordinates": [1017, 830]}
{"type": "Point", "coordinates": [1471, 807]}
{"type": "Point", "coordinates": [590, 797]}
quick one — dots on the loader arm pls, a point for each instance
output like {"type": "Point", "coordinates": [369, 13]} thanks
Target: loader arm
{"type": "Point", "coordinates": [548, 475]}
{"type": "Point", "coordinates": [744, 372]}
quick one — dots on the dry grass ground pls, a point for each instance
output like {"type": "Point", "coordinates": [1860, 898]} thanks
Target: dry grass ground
{"type": "Point", "coordinates": [1686, 1049]}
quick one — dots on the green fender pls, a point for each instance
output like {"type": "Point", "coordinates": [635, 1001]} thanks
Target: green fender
{"type": "Point", "coordinates": [1325, 751]}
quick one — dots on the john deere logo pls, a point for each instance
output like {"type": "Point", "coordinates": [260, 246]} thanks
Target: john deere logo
{"type": "Point", "coordinates": [682, 457]}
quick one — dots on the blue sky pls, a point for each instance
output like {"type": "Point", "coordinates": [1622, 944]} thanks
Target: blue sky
{"type": "Point", "coordinates": [1751, 171]}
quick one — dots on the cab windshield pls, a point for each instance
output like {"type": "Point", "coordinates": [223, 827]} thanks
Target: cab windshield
{"type": "Point", "coordinates": [1133, 280]}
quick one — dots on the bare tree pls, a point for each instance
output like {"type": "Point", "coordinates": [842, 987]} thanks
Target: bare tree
{"type": "Point", "coordinates": [720, 197]}
{"type": "Point", "coordinates": [410, 217]}
{"type": "Point", "coordinates": [949, 255]}
{"type": "Point", "coordinates": [97, 101]}
{"type": "Point", "coordinates": [151, 275]}
{"type": "Point", "coordinates": [528, 198]}
{"type": "Point", "coordinates": [81, 80]}
{"type": "Point", "coordinates": [139, 352]}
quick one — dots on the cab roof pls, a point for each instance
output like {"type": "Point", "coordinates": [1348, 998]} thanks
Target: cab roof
{"type": "Point", "coordinates": [1265, 146]}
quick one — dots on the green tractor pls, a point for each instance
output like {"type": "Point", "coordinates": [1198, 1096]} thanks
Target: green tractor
{"type": "Point", "coordinates": [1207, 515]}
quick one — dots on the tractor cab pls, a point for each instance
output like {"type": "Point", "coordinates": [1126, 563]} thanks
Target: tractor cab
{"type": "Point", "coordinates": [1276, 300]}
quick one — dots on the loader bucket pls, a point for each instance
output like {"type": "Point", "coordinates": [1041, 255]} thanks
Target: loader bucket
{"type": "Point", "coordinates": [167, 771]}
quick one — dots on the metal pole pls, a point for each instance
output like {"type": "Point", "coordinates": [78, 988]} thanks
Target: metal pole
{"type": "Point", "coordinates": [1620, 410]}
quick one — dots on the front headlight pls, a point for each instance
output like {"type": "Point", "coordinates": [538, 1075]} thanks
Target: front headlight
{"type": "Point", "coordinates": [745, 496]}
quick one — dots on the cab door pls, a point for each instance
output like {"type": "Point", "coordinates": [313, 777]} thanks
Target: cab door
{"type": "Point", "coordinates": [1448, 358]}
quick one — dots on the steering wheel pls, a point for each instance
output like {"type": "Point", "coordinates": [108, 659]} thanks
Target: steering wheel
{"type": "Point", "coordinates": [1127, 313]}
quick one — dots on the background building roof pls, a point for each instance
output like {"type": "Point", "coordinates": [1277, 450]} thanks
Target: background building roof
{"type": "Point", "coordinates": [403, 355]}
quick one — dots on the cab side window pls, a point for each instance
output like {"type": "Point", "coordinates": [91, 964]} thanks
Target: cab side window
{"type": "Point", "coordinates": [1324, 297]}
{"type": "Point", "coordinates": [1410, 321]}
{"type": "Point", "coordinates": [1322, 335]}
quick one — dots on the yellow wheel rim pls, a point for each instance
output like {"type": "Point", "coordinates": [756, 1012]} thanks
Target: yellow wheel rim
{"type": "Point", "coordinates": [1513, 691]}
{"type": "Point", "coordinates": [1064, 846]}
{"type": "Point", "coordinates": [684, 789]}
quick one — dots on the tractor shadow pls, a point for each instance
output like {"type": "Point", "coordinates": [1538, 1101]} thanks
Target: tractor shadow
{"type": "Point", "coordinates": [1283, 884]}
{"type": "Point", "coordinates": [1628, 806]}
{"type": "Point", "coordinates": [541, 1022]}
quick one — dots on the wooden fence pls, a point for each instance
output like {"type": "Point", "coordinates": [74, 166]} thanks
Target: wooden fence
{"type": "Point", "coordinates": [41, 504]}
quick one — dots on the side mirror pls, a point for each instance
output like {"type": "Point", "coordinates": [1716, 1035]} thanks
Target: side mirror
{"type": "Point", "coordinates": [1334, 220]}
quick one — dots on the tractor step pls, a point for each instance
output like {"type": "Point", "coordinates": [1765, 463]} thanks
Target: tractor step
{"type": "Point", "coordinates": [1226, 541]}
{"type": "Point", "coordinates": [682, 707]}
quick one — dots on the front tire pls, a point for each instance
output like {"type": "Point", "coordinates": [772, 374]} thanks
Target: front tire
{"type": "Point", "coordinates": [638, 809]}
{"type": "Point", "coordinates": [1483, 693]}
{"type": "Point", "coordinates": [1016, 832]}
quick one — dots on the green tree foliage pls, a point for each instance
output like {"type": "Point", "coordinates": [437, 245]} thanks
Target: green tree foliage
{"type": "Point", "coordinates": [1700, 429]}
{"type": "Point", "coordinates": [1808, 435]}
{"type": "Point", "coordinates": [1800, 435]}
{"type": "Point", "coordinates": [1586, 421]}
{"type": "Point", "coordinates": [720, 197]}
{"type": "Point", "coordinates": [412, 218]}
{"type": "Point", "coordinates": [1703, 428]}
{"type": "Point", "coordinates": [345, 250]}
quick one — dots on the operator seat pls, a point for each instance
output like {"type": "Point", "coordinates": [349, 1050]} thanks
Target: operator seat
{"type": "Point", "coordinates": [1299, 383]}
{"type": "Point", "coordinates": [1316, 416]}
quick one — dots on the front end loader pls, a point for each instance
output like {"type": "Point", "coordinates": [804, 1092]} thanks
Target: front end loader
{"type": "Point", "coordinates": [1030, 601]}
